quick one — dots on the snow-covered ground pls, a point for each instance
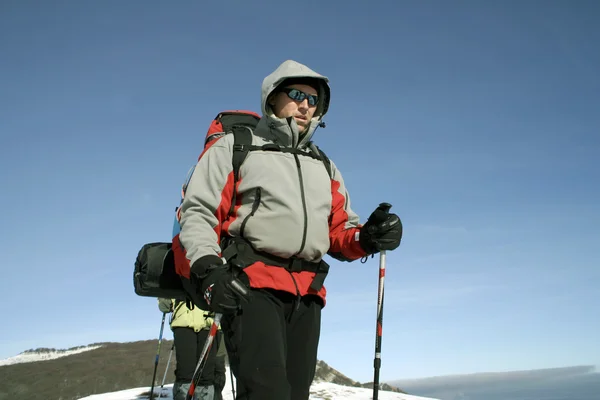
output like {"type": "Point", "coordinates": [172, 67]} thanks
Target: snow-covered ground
{"type": "Point", "coordinates": [319, 391]}
{"type": "Point", "coordinates": [43, 356]}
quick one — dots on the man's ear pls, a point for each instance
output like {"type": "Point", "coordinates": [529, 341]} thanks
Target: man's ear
{"type": "Point", "coordinates": [271, 99]}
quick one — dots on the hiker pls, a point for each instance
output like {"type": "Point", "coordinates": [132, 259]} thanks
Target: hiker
{"type": "Point", "coordinates": [288, 213]}
{"type": "Point", "coordinates": [190, 330]}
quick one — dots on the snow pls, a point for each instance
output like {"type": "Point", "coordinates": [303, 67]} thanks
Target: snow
{"type": "Point", "coordinates": [319, 391]}
{"type": "Point", "coordinates": [43, 355]}
{"type": "Point", "coordinates": [328, 390]}
{"type": "Point", "coordinates": [133, 394]}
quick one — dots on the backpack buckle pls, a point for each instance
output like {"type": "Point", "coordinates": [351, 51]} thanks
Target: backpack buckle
{"type": "Point", "coordinates": [295, 265]}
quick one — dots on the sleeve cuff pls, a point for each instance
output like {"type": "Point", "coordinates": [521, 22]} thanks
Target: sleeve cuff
{"type": "Point", "coordinates": [201, 265]}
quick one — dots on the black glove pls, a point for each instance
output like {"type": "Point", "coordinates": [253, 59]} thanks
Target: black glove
{"type": "Point", "coordinates": [222, 286]}
{"type": "Point", "coordinates": [382, 231]}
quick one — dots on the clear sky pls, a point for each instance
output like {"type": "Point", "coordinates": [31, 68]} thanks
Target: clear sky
{"type": "Point", "coordinates": [478, 121]}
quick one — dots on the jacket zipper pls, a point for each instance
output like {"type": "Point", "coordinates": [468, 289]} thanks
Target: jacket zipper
{"type": "Point", "coordinates": [303, 204]}
{"type": "Point", "coordinates": [298, 296]}
{"type": "Point", "coordinates": [305, 231]}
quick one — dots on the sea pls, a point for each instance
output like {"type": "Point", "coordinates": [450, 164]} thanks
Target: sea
{"type": "Point", "coordinates": [579, 387]}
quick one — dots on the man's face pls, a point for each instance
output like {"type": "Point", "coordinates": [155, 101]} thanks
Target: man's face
{"type": "Point", "coordinates": [285, 106]}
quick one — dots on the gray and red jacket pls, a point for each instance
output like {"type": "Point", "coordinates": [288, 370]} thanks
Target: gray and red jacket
{"type": "Point", "coordinates": [288, 204]}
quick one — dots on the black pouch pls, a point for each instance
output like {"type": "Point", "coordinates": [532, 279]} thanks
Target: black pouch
{"type": "Point", "coordinates": [154, 273]}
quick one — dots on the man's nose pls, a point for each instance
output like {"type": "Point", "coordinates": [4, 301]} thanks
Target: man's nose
{"type": "Point", "coordinates": [303, 105]}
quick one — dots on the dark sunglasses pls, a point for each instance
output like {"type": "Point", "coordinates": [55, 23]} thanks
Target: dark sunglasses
{"type": "Point", "coordinates": [298, 95]}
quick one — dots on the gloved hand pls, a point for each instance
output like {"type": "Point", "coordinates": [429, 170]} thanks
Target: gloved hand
{"type": "Point", "coordinates": [382, 231]}
{"type": "Point", "coordinates": [222, 286]}
{"type": "Point", "coordinates": [165, 305]}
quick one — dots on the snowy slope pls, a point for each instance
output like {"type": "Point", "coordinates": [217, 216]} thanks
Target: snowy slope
{"type": "Point", "coordinates": [43, 355]}
{"type": "Point", "coordinates": [319, 391]}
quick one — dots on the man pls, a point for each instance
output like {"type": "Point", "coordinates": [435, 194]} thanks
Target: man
{"type": "Point", "coordinates": [190, 330]}
{"type": "Point", "coordinates": [288, 214]}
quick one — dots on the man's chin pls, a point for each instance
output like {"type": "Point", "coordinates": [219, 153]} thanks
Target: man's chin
{"type": "Point", "coordinates": [303, 129]}
{"type": "Point", "coordinates": [302, 124]}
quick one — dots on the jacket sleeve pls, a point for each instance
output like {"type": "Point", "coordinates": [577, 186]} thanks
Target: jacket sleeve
{"type": "Point", "coordinates": [207, 201]}
{"type": "Point", "coordinates": [344, 226]}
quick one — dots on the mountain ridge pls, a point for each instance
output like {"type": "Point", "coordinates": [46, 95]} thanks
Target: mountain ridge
{"type": "Point", "coordinates": [106, 367]}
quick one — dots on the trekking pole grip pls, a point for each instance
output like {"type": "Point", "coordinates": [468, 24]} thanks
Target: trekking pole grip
{"type": "Point", "coordinates": [385, 207]}
{"type": "Point", "coordinates": [379, 215]}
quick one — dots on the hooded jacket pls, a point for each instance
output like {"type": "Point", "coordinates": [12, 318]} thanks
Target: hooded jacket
{"type": "Point", "coordinates": [288, 204]}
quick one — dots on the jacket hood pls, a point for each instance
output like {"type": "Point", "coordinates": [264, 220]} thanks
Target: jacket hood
{"type": "Point", "coordinates": [293, 69]}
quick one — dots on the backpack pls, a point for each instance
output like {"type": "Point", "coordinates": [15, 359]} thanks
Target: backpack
{"type": "Point", "coordinates": [159, 264]}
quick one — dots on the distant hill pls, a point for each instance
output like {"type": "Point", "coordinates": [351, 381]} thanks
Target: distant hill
{"type": "Point", "coordinates": [329, 374]}
{"type": "Point", "coordinates": [110, 367]}
{"type": "Point", "coordinates": [106, 367]}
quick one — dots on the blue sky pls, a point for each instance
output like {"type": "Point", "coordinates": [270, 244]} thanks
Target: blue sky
{"type": "Point", "coordinates": [478, 121]}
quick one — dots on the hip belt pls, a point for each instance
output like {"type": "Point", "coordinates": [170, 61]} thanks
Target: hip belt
{"type": "Point", "coordinates": [242, 251]}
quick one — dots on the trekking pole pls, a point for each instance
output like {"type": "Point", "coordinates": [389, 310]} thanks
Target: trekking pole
{"type": "Point", "coordinates": [166, 369]}
{"type": "Point", "coordinates": [241, 290]}
{"type": "Point", "coordinates": [204, 356]}
{"type": "Point", "coordinates": [377, 360]}
{"type": "Point", "coordinates": [384, 209]}
{"type": "Point", "coordinates": [162, 325]}
{"type": "Point", "coordinates": [231, 379]}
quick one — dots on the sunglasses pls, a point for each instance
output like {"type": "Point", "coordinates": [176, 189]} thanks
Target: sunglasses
{"type": "Point", "coordinates": [298, 95]}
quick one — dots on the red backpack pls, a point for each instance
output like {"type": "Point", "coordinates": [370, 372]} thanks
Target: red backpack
{"type": "Point", "coordinates": [241, 124]}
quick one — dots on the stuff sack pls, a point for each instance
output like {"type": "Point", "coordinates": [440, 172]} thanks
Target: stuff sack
{"type": "Point", "coordinates": [154, 273]}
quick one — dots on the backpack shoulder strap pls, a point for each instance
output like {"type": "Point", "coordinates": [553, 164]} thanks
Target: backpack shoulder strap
{"type": "Point", "coordinates": [321, 154]}
{"type": "Point", "coordinates": [326, 161]}
{"type": "Point", "coordinates": [242, 141]}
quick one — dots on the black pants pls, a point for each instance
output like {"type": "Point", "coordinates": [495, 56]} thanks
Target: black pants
{"type": "Point", "coordinates": [272, 345]}
{"type": "Point", "coordinates": [220, 369]}
{"type": "Point", "coordinates": [188, 348]}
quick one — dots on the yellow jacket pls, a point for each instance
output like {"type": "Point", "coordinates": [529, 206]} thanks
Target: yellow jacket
{"type": "Point", "coordinates": [183, 317]}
